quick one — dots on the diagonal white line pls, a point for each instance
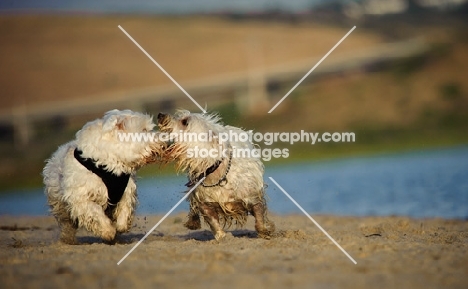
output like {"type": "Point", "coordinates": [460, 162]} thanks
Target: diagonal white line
{"type": "Point", "coordinates": [313, 68]}
{"type": "Point", "coordinates": [160, 221]}
{"type": "Point", "coordinates": [316, 224]}
{"type": "Point", "coordinates": [162, 69]}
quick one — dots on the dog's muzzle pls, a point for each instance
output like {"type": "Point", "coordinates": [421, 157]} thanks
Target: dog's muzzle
{"type": "Point", "coordinates": [162, 118]}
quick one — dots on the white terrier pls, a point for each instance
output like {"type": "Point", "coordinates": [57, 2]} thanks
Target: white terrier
{"type": "Point", "coordinates": [233, 186]}
{"type": "Point", "coordinates": [90, 181]}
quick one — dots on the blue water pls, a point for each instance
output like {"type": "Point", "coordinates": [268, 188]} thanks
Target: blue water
{"type": "Point", "coordinates": [422, 184]}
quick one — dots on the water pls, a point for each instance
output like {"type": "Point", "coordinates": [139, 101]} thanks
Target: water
{"type": "Point", "coordinates": [423, 184]}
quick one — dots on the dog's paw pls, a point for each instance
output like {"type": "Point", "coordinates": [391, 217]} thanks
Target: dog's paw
{"type": "Point", "coordinates": [122, 227]}
{"type": "Point", "coordinates": [67, 233]}
{"type": "Point", "coordinates": [220, 235]}
{"type": "Point", "coordinates": [264, 235]}
{"type": "Point", "coordinates": [267, 232]}
{"type": "Point", "coordinates": [69, 240]}
{"type": "Point", "coordinates": [108, 234]}
{"type": "Point", "coordinates": [270, 226]}
{"type": "Point", "coordinates": [193, 223]}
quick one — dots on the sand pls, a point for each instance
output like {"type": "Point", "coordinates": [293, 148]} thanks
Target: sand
{"type": "Point", "coordinates": [391, 252]}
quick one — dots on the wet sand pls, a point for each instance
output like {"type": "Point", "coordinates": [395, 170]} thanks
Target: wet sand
{"type": "Point", "coordinates": [391, 252]}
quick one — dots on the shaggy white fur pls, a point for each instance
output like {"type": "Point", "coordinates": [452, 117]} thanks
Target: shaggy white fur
{"type": "Point", "coordinates": [77, 196]}
{"type": "Point", "coordinates": [233, 187]}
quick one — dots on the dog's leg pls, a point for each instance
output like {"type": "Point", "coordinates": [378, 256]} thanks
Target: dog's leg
{"type": "Point", "coordinates": [263, 226]}
{"type": "Point", "coordinates": [193, 222]}
{"type": "Point", "coordinates": [211, 217]}
{"type": "Point", "coordinates": [93, 218]}
{"type": "Point", "coordinates": [59, 211]}
{"type": "Point", "coordinates": [123, 214]}
{"type": "Point", "coordinates": [67, 226]}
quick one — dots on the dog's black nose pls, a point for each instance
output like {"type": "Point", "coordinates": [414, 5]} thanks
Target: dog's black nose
{"type": "Point", "coordinates": [161, 116]}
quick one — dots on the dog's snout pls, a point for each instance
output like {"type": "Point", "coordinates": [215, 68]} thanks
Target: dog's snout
{"type": "Point", "coordinates": [161, 117]}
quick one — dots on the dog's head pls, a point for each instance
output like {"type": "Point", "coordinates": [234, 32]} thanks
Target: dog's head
{"type": "Point", "coordinates": [123, 141]}
{"type": "Point", "coordinates": [185, 121]}
{"type": "Point", "coordinates": [190, 134]}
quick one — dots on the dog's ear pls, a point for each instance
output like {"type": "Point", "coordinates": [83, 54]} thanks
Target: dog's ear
{"type": "Point", "coordinates": [112, 122]}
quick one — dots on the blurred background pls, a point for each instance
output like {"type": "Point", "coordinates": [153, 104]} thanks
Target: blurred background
{"type": "Point", "coordinates": [398, 81]}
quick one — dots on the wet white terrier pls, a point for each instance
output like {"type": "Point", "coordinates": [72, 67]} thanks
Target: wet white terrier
{"type": "Point", "coordinates": [90, 181]}
{"type": "Point", "coordinates": [233, 186]}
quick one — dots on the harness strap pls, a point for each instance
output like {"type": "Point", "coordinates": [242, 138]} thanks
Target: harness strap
{"type": "Point", "coordinates": [115, 184]}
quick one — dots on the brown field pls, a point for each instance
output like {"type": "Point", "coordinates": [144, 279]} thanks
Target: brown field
{"type": "Point", "coordinates": [50, 58]}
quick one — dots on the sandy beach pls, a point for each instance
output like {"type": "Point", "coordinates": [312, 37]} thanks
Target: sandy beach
{"type": "Point", "coordinates": [391, 252]}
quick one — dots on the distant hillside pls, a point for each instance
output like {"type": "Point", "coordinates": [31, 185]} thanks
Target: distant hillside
{"type": "Point", "coordinates": [57, 57]}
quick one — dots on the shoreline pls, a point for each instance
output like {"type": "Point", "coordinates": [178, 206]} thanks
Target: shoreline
{"type": "Point", "coordinates": [153, 170]}
{"type": "Point", "coordinates": [390, 252]}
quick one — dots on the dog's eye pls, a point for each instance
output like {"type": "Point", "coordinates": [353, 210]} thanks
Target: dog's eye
{"type": "Point", "coordinates": [184, 122]}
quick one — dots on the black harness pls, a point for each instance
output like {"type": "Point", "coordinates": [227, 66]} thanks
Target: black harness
{"type": "Point", "coordinates": [115, 184]}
